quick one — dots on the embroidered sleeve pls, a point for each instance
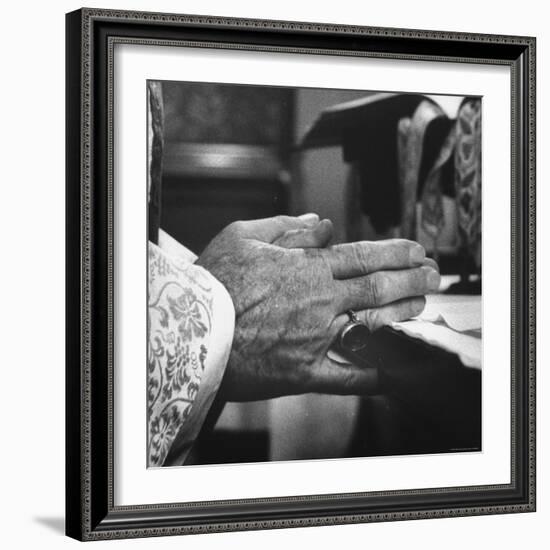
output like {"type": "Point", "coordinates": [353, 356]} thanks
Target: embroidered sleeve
{"type": "Point", "coordinates": [190, 330]}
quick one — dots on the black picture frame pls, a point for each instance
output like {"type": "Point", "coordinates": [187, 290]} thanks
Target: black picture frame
{"type": "Point", "coordinates": [90, 512]}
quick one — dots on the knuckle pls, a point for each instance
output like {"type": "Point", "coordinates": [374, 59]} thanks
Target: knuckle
{"type": "Point", "coordinates": [282, 220]}
{"type": "Point", "coordinates": [406, 242]}
{"type": "Point", "coordinates": [360, 254]}
{"type": "Point", "coordinates": [319, 259]}
{"type": "Point", "coordinates": [376, 285]}
{"type": "Point", "coordinates": [235, 228]}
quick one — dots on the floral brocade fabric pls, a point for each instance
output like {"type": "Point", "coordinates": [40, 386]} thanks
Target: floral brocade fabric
{"type": "Point", "coordinates": [179, 325]}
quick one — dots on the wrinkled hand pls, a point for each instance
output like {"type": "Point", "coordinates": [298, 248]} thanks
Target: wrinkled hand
{"type": "Point", "coordinates": [291, 293]}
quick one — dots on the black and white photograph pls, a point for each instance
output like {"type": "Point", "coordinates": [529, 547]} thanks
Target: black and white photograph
{"type": "Point", "coordinates": [270, 275]}
{"type": "Point", "coordinates": [300, 269]}
{"type": "Point", "coordinates": [314, 273]}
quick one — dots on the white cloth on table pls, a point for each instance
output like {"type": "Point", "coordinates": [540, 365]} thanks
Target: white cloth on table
{"type": "Point", "coordinates": [450, 322]}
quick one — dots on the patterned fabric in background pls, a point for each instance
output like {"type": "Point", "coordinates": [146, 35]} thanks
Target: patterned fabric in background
{"type": "Point", "coordinates": [427, 143]}
{"type": "Point", "coordinates": [411, 133]}
{"type": "Point", "coordinates": [432, 194]}
{"type": "Point", "coordinates": [468, 177]}
{"type": "Point", "coordinates": [403, 149]}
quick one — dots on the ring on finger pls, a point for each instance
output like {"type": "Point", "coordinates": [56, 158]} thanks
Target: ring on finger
{"type": "Point", "coordinates": [354, 334]}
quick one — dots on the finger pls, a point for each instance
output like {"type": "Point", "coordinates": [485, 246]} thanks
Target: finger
{"type": "Point", "coordinates": [340, 379]}
{"type": "Point", "coordinates": [360, 258]}
{"type": "Point", "coordinates": [269, 229]}
{"type": "Point", "coordinates": [430, 262]}
{"type": "Point", "coordinates": [316, 237]}
{"type": "Point", "coordinates": [385, 287]}
{"type": "Point", "coordinates": [386, 315]}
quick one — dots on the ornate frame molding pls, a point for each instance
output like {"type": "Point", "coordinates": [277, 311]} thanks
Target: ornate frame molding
{"type": "Point", "coordinates": [91, 36]}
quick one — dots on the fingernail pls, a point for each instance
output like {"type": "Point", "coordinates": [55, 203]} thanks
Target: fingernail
{"type": "Point", "coordinates": [309, 218]}
{"type": "Point", "coordinates": [430, 262]}
{"type": "Point", "coordinates": [433, 279]}
{"type": "Point", "coordinates": [419, 305]}
{"type": "Point", "coordinates": [417, 254]}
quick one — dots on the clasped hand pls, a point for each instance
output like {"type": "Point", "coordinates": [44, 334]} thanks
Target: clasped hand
{"type": "Point", "coordinates": [291, 292]}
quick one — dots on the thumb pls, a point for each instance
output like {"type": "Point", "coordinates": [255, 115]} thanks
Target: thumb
{"type": "Point", "coordinates": [270, 229]}
{"type": "Point", "coordinates": [318, 236]}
